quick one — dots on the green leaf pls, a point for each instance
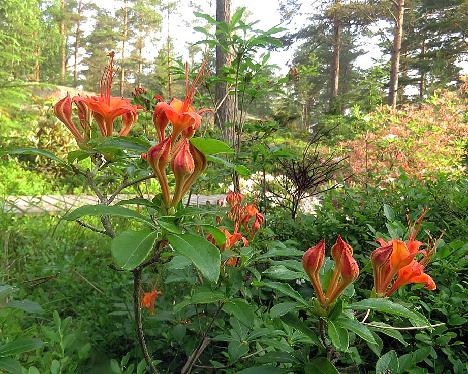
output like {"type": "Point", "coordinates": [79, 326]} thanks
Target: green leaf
{"type": "Point", "coordinates": [19, 346]}
{"type": "Point", "coordinates": [283, 273]}
{"type": "Point", "coordinates": [130, 248]}
{"type": "Point", "coordinates": [25, 305]}
{"type": "Point", "coordinates": [137, 201]}
{"type": "Point", "coordinates": [32, 151]}
{"type": "Point", "coordinates": [281, 309]}
{"type": "Point", "coordinates": [358, 328]}
{"type": "Point", "coordinates": [387, 364]}
{"type": "Point", "coordinates": [99, 210]}
{"type": "Point", "coordinates": [320, 365]}
{"type": "Point", "coordinates": [6, 290]}
{"type": "Point", "coordinates": [291, 320]}
{"type": "Point", "coordinates": [167, 223]}
{"type": "Point", "coordinates": [124, 143]}
{"type": "Point", "coordinates": [237, 349]}
{"type": "Point", "coordinates": [395, 334]}
{"type": "Point", "coordinates": [242, 311]}
{"type": "Point", "coordinates": [389, 307]}
{"type": "Point", "coordinates": [207, 297]}
{"type": "Point", "coordinates": [10, 366]}
{"type": "Point", "coordinates": [261, 370]}
{"type": "Point", "coordinates": [211, 146]}
{"type": "Point", "coordinates": [218, 235]}
{"type": "Point", "coordinates": [204, 255]}
{"type": "Point", "coordinates": [338, 336]}
{"type": "Point", "coordinates": [287, 290]}
{"type": "Point", "coordinates": [388, 212]}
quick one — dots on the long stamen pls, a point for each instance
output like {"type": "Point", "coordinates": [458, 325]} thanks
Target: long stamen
{"type": "Point", "coordinates": [106, 80]}
{"type": "Point", "coordinates": [193, 88]}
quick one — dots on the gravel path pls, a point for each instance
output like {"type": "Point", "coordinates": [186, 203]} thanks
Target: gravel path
{"type": "Point", "coordinates": [51, 204]}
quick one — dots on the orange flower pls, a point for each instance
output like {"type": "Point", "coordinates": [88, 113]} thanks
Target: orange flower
{"type": "Point", "coordinates": [63, 111]}
{"type": "Point", "coordinates": [106, 108]}
{"type": "Point", "coordinates": [183, 116]}
{"type": "Point", "coordinates": [148, 299]}
{"type": "Point", "coordinates": [231, 240]}
{"type": "Point", "coordinates": [397, 257]}
{"type": "Point", "coordinates": [412, 273]}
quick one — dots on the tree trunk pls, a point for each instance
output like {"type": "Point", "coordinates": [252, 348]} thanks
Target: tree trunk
{"type": "Point", "coordinates": [224, 104]}
{"type": "Point", "coordinates": [63, 45]}
{"type": "Point", "coordinates": [395, 58]}
{"type": "Point", "coordinates": [422, 77]}
{"type": "Point", "coordinates": [77, 42]}
{"type": "Point", "coordinates": [335, 66]}
{"type": "Point", "coordinates": [140, 64]}
{"type": "Point", "coordinates": [168, 62]}
{"type": "Point", "coordinates": [122, 56]}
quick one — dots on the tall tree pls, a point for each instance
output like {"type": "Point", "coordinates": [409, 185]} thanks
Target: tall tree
{"type": "Point", "coordinates": [222, 100]}
{"type": "Point", "coordinates": [124, 39]}
{"type": "Point", "coordinates": [63, 43]}
{"type": "Point", "coordinates": [103, 38]}
{"type": "Point", "coordinates": [398, 15]}
{"type": "Point", "coordinates": [335, 66]}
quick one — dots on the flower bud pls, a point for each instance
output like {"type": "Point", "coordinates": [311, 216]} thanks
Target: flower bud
{"type": "Point", "coordinates": [63, 111]}
{"type": "Point", "coordinates": [313, 261]}
{"type": "Point", "coordinates": [84, 114]}
{"type": "Point", "coordinates": [345, 272]}
{"type": "Point", "coordinates": [160, 121]}
{"type": "Point", "coordinates": [234, 198]}
{"type": "Point", "coordinates": [157, 157]}
{"type": "Point", "coordinates": [183, 166]}
{"type": "Point", "coordinates": [380, 259]}
{"type": "Point", "coordinates": [200, 165]}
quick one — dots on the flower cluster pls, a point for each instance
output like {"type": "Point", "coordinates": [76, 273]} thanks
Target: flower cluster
{"type": "Point", "coordinates": [186, 161]}
{"type": "Point", "coordinates": [103, 108]}
{"type": "Point", "coordinates": [345, 272]}
{"type": "Point", "coordinates": [398, 258]}
{"type": "Point", "coordinates": [246, 217]}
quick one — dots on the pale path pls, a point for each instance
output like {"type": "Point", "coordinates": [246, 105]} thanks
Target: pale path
{"type": "Point", "coordinates": [50, 204]}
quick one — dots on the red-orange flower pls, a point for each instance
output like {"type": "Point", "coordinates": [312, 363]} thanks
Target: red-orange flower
{"type": "Point", "coordinates": [148, 299]}
{"type": "Point", "coordinates": [231, 240]}
{"type": "Point", "coordinates": [106, 108]}
{"type": "Point", "coordinates": [397, 257]}
{"type": "Point", "coordinates": [183, 116]}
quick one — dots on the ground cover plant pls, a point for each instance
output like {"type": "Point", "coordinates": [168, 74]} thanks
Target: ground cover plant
{"type": "Point", "coordinates": [334, 239]}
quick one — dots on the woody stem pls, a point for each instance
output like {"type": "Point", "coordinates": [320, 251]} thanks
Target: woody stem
{"type": "Point", "coordinates": [159, 245]}
{"type": "Point", "coordinates": [138, 321]}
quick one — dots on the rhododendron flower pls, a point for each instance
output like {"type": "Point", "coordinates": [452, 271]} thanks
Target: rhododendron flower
{"type": "Point", "coordinates": [103, 108]}
{"type": "Point", "coordinates": [397, 258]}
{"type": "Point", "coordinates": [149, 298]}
{"type": "Point", "coordinates": [345, 272]}
{"type": "Point", "coordinates": [231, 240]}
{"type": "Point", "coordinates": [182, 115]}
{"type": "Point", "coordinates": [106, 108]}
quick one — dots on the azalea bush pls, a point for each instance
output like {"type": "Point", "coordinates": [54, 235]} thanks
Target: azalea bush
{"type": "Point", "coordinates": [212, 288]}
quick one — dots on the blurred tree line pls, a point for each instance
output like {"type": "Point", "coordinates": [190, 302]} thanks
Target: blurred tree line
{"type": "Point", "coordinates": [421, 45]}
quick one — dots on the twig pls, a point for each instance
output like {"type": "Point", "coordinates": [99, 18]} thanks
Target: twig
{"type": "Point", "coordinates": [201, 347]}
{"type": "Point", "coordinates": [366, 316]}
{"type": "Point", "coordinates": [126, 184]}
{"type": "Point", "coordinates": [92, 228]}
{"type": "Point", "coordinates": [405, 328]}
{"type": "Point", "coordinates": [88, 281]}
